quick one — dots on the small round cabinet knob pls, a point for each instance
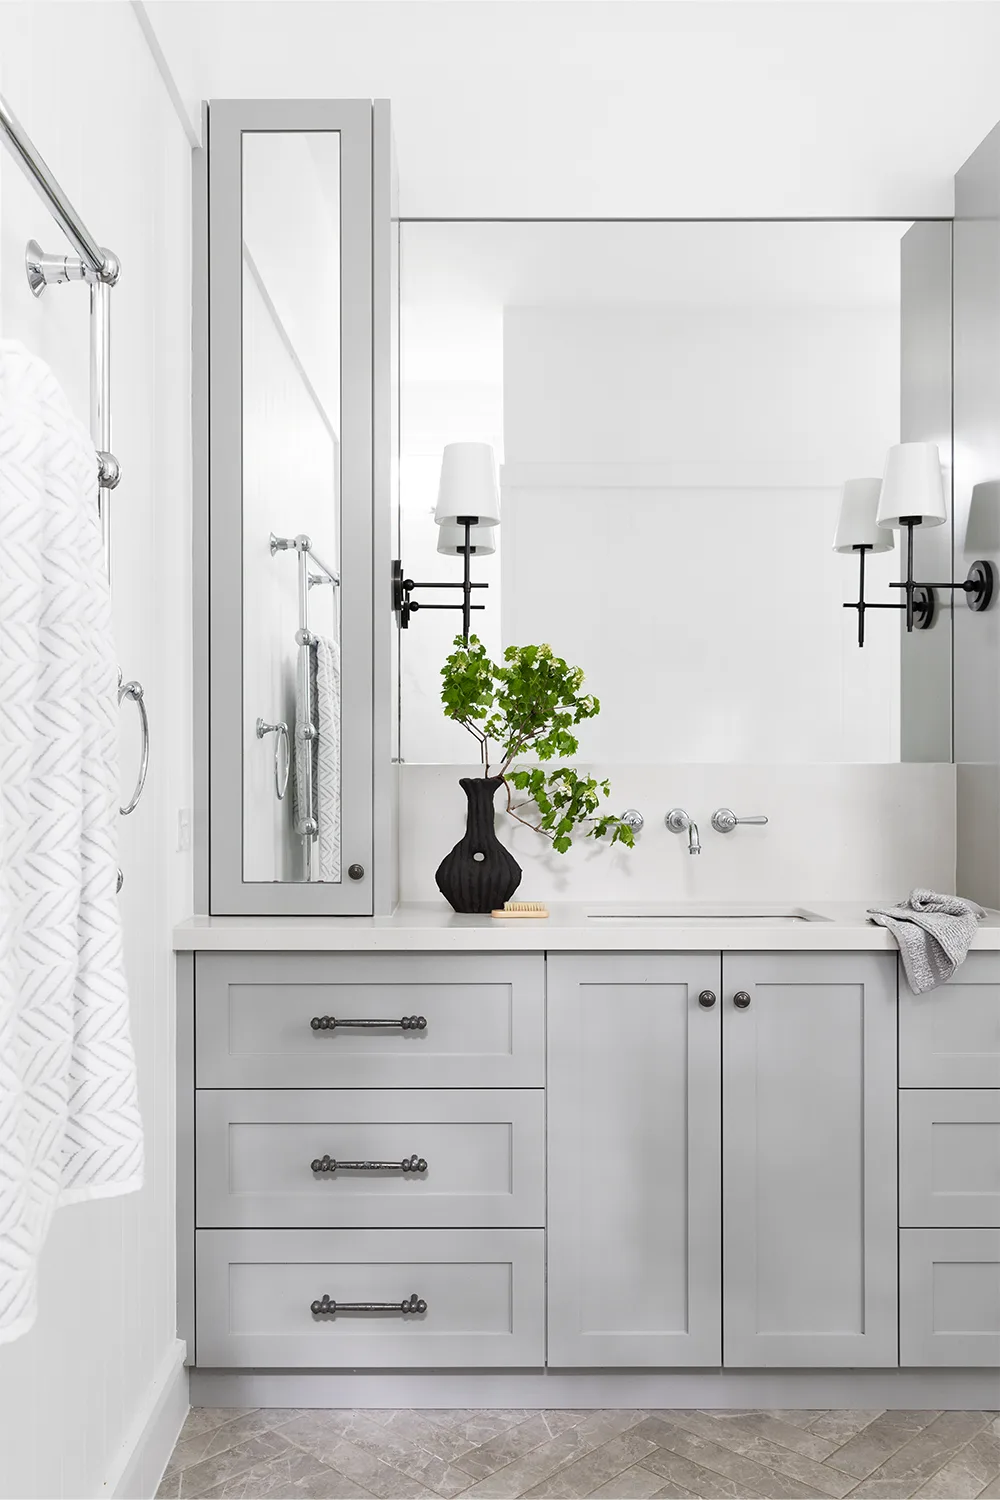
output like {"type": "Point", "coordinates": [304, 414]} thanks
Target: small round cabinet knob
{"type": "Point", "coordinates": [706, 999]}
{"type": "Point", "coordinates": [741, 1000]}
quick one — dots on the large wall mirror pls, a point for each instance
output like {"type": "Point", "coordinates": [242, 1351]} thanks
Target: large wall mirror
{"type": "Point", "coordinates": [674, 408]}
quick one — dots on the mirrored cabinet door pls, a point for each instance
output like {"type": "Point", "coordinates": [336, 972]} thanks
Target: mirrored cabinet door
{"type": "Point", "coordinates": [290, 506]}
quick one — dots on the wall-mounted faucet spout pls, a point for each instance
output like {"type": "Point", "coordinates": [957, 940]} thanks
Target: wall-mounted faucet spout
{"type": "Point", "coordinates": [678, 821]}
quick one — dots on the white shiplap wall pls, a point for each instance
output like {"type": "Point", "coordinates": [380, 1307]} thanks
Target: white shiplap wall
{"type": "Point", "coordinates": [77, 1391]}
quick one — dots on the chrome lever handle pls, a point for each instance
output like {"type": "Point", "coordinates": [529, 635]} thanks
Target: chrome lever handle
{"type": "Point", "coordinates": [724, 820]}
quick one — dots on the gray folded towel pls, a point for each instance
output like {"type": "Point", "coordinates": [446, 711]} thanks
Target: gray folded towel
{"type": "Point", "coordinates": [934, 934]}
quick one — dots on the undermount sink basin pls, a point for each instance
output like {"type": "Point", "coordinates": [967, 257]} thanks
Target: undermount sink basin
{"type": "Point", "coordinates": [751, 914]}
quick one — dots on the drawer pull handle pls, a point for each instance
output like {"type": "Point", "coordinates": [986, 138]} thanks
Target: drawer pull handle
{"type": "Point", "coordinates": [407, 1023]}
{"type": "Point", "coordinates": [741, 1000]}
{"type": "Point", "coordinates": [326, 1305]}
{"type": "Point", "coordinates": [408, 1164]}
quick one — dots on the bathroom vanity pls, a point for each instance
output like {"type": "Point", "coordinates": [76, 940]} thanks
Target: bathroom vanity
{"type": "Point", "coordinates": [431, 1143]}
{"type": "Point", "coordinates": [638, 1153]}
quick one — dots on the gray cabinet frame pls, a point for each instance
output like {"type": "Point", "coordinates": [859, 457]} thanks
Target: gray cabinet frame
{"type": "Point", "coordinates": [230, 894]}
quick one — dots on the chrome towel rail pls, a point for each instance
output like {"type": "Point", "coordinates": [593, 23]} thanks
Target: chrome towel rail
{"type": "Point", "coordinates": [306, 728]}
{"type": "Point", "coordinates": [100, 269]}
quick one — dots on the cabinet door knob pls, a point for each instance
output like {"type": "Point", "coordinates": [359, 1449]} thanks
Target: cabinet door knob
{"type": "Point", "coordinates": [741, 1000]}
{"type": "Point", "coordinates": [706, 999]}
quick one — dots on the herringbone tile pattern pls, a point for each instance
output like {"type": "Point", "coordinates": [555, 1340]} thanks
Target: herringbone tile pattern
{"type": "Point", "coordinates": [566, 1455]}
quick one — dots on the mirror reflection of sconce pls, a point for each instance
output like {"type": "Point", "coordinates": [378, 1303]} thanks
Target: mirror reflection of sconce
{"type": "Point", "coordinates": [468, 509]}
{"type": "Point", "coordinates": [909, 494]}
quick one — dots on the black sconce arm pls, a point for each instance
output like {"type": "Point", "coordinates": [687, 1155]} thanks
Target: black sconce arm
{"type": "Point", "coordinates": [920, 603]}
{"type": "Point", "coordinates": [402, 588]}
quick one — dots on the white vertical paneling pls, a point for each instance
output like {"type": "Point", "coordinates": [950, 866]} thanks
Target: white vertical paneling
{"type": "Point", "coordinates": [88, 92]}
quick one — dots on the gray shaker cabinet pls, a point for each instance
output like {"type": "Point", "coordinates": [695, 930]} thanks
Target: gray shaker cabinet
{"type": "Point", "coordinates": [809, 1159]}
{"type": "Point", "coordinates": [634, 1224]}
{"type": "Point", "coordinates": [662, 1109]}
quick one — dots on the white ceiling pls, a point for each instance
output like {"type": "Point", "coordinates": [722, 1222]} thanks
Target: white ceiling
{"type": "Point", "coordinates": [609, 108]}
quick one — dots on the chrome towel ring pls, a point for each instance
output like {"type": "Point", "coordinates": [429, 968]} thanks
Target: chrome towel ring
{"type": "Point", "coordinates": [134, 690]}
{"type": "Point", "coordinates": [280, 732]}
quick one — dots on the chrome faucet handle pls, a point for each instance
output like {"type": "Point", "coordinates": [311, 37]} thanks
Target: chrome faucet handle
{"type": "Point", "coordinates": [633, 819]}
{"type": "Point", "coordinates": [724, 820]}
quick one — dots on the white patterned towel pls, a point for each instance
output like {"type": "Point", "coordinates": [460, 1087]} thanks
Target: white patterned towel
{"type": "Point", "coordinates": [69, 1118]}
{"type": "Point", "coordinates": [933, 932]}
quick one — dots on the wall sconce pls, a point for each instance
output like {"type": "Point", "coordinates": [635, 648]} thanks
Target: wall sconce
{"type": "Point", "coordinates": [909, 494]}
{"type": "Point", "coordinates": [468, 508]}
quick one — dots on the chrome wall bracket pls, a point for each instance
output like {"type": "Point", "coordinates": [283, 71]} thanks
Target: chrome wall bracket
{"type": "Point", "coordinates": [44, 269]}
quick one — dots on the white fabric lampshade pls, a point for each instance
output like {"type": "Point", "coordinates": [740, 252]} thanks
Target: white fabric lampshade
{"type": "Point", "coordinates": [857, 526]}
{"type": "Point", "coordinates": [451, 539]}
{"type": "Point", "coordinates": [912, 486]}
{"type": "Point", "coordinates": [468, 485]}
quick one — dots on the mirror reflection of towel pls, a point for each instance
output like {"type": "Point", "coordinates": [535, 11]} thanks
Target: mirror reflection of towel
{"type": "Point", "coordinates": [327, 764]}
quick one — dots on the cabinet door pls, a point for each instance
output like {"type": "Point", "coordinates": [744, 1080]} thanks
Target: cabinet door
{"type": "Point", "coordinates": [634, 1160]}
{"type": "Point", "coordinates": [290, 510]}
{"type": "Point", "coordinates": [809, 1159]}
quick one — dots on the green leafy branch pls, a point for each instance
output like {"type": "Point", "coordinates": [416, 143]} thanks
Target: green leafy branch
{"type": "Point", "coordinates": [530, 704]}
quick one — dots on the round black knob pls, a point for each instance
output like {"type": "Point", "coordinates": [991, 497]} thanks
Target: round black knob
{"type": "Point", "coordinates": [356, 872]}
{"type": "Point", "coordinates": [741, 1000]}
{"type": "Point", "coordinates": [706, 999]}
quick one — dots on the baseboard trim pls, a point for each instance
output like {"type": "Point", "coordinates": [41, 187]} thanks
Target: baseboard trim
{"type": "Point", "coordinates": [138, 1468]}
{"type": "Point", "coordinates": [942, 1390]}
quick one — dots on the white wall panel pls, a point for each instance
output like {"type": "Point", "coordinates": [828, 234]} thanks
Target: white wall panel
{"type": "Point", "coordinates": [83, 82]}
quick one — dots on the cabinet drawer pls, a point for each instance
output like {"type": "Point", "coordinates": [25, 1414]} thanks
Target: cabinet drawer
{"type": "Point", "coordinates": [482, 1152]}
{"type": "Point", "coordinates": [949, 1297]}
{"type": "Point", "coordinates": [483, 1289]}
{"type": "Point", "coordinates": [949, 1158]}
{"type": "Point", "coordinates": [950, 1038]}
{"type": "Point", "coordinates": [484, 1020]}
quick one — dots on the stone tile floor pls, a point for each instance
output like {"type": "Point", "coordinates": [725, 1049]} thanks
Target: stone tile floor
{"type": "Point", "coordinates": [565, 1455]}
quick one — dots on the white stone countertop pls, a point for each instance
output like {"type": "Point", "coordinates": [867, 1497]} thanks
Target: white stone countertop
{"type": "Point", "coordinates": [622, 927]}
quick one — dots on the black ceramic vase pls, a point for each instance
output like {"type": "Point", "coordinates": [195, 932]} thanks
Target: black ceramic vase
{"type": "Point", "coordinates": [479, 874]}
